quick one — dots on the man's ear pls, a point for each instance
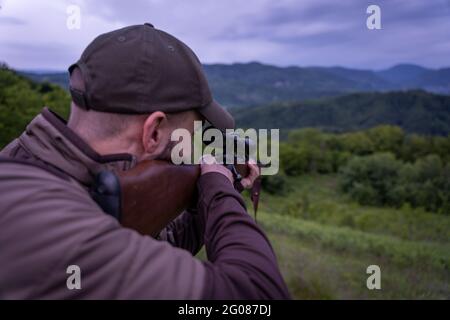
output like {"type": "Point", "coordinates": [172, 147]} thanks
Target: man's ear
{"type": "Point", "coordinates": [153, 134]}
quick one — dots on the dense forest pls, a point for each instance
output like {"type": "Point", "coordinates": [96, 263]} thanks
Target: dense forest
{"type": "Point", "coordinates": [414, 111]}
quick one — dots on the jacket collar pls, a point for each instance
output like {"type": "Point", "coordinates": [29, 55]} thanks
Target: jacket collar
{"type": "Point", "coordinates": [48, 138]}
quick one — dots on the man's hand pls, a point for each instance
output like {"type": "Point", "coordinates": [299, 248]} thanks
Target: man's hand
{"type": "Point", "coordinates": [253, 174]}
{"type": "Point", "coordinates": [209, 164]}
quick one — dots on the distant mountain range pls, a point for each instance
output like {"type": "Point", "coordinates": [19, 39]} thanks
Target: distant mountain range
{"type": "Point", "coordinates": [416, 111]}
{"type": "Point", "coordinates": [250, 84]}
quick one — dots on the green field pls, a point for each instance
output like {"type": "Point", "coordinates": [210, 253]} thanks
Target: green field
{"type": "Point", "coordinates": [324, 243]}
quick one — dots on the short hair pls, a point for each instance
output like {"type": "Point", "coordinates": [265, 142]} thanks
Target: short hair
{"type": "Point", "coordinates": [93, 124]}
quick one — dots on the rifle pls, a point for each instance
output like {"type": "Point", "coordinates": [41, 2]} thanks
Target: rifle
{"type": "Point", "coordinates": [150, 195]}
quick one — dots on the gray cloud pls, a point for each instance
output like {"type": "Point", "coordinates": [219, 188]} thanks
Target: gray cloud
{"type": "Point", "coordinates": [11, 21]}
{"type": "Point", "coordinates": [26, 55]}
{"type": "Point", "coordinates": [283, 32]}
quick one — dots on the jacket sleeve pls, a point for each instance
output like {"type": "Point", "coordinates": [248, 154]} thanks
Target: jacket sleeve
{"type": "Point", "coordinates": [185, 232]}
{"type": "Point", "coordinates": [241, 263]}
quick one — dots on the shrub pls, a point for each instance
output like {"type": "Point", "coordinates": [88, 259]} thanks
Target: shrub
{"type": "Point", "coordinates": [381, 179]}
{"type": "Point", "coordinates": [427, 184]}
{"type": "Point", "coordinates": [275, 184]}
{"type": "Point", "coordinates": [292, 160]}
{"type": "Point", "coordinates": [356, 143]}
{"type": "Point", "coordinates": [386, 138]}
{"type": "Point", "coordinates": [370, 179]}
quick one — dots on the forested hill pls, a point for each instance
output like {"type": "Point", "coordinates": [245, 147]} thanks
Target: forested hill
{"type": "Point", "coordinates": [415, 111]}
{"type": "Point", "coordinates": [246, 84]}
{"type": "Point", "coordinates": [21, 99]}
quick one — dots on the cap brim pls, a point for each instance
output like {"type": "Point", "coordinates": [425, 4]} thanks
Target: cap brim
{"type": "Point", "coordinates": [217, 116]}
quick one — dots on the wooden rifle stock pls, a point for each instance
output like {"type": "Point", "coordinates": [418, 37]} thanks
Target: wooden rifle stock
{"type": "Point", "coordinates": [156, 192]}
{"type": "Point", "coordinates": [150, 195]}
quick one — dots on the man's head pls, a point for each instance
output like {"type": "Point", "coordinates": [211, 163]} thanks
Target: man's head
{"type": "Point", "coordinates": [133, 86]}
{"type": "Point", "coordinates": [147, 136]}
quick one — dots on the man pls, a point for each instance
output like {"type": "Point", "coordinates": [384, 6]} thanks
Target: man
{"type": "Point", "coordinates": [130, 89]}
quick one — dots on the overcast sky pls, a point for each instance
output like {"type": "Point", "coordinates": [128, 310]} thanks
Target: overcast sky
{"type": "Point", "coordinates": [34, 35]}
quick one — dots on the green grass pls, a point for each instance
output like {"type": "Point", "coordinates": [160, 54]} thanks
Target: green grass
{"type": "Point", "coordinates": [317, 198]}
{"type": "Point", "coordinates": [324, 243]}
{"type": "Point", "coordinates": [391, 249]}
{"type": "Point", "coordinates": [314, 272]}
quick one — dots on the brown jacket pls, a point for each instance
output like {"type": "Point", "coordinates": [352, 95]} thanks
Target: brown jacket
{"type": "Point", "coordinates": [48, 222]}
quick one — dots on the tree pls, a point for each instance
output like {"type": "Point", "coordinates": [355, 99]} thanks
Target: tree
{"type": "Point", "coordinates": [357, 143]}
{"type": "Point", "coordinates": [386, 138]}
{"type": "Point", "coordinates": [371, 179]}
{"type": "Point", "coordinates": [21, 100]}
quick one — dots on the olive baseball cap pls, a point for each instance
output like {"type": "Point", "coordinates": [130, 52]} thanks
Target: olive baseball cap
{"type": "Point", "coordinates": [140, 69]}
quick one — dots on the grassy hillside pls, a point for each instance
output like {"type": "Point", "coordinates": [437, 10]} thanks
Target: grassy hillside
{"type": "Point", "coordinates": [414, 111]}
{"type": "Point", "coordinates": [325, 236]}
{"type": "Point", "coordinates": [324, 243]}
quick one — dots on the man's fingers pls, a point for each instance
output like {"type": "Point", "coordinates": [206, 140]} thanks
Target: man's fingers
{"type": "Point", "coordinates": [253, 174]}
{"type": "Point", "coordinates": [209, 164]}
{"type": "Point", "coordinates": [208, 159]}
